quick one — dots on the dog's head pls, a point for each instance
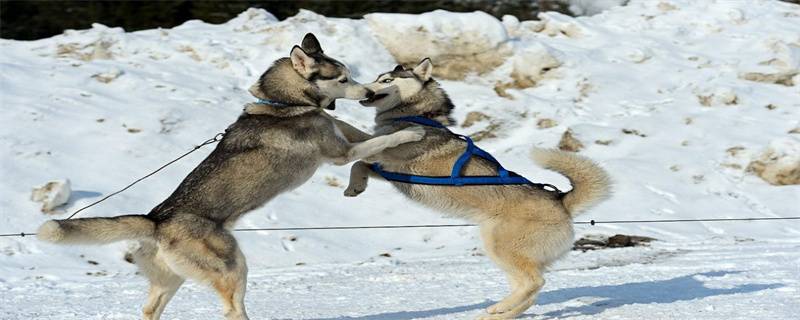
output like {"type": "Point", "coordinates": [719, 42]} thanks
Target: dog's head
{"type": "Point", "coordinates": [329, 75]}
{"type": "Point", "coordinates": [410, 92]}
{"type": "Point", "coordinates": [329, 78]}
{"type": "Point", "coordinates": [399, 85]}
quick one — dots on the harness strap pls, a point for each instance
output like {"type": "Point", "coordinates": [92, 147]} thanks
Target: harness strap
{"type": "Point", "coordinates": [504, 177]}
{"type": "Point", "coordinates": [423, 121]}
{"type": "Point", "coordinates": [457, 181]}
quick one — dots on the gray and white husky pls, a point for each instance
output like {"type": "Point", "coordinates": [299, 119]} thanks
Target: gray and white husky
{"type": "Point", "coordinates": [524, 228]}
{"type": "Point", "coordinates": [272, 148]}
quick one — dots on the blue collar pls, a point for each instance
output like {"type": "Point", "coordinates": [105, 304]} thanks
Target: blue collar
{"type": "Point", "coordinates": [272, 102]}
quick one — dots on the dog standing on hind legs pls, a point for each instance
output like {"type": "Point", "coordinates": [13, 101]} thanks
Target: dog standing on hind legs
{"type": "Point", "coordinates": [273, 147]}
{"type": "Point", "coordinates": [524, 227]}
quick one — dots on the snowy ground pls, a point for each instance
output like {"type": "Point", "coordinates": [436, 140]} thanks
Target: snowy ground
{"type": "Point", "coordinates": [699, 280]}
{"type": "Point", "coordinates": [656, 90]}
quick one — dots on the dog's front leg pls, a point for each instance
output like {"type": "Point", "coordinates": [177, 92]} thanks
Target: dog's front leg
{"type": "Point", "coordinates": [352, 134]}
{"type": "Point", "coordinates": [359, 175]}
{"type": "Point", "coordinates": [378, 144]}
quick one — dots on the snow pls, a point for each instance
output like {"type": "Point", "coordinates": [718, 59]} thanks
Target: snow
{"type": "Point", "coordinates": [779, 164]}
{"type": "Point", "coordinates": [102, 106]}
{"type": "Point", "coordinates": [52, 194]}
{"type": "Point", "coordinates": [437, 33]}
{"type": "Point", "coordinates": [716, 279]}
{"type": "Point", "coordinates": [592, 7]}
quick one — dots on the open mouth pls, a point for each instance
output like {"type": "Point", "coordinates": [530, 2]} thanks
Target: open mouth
{"type": "Point", "coordinates": [373, 99]}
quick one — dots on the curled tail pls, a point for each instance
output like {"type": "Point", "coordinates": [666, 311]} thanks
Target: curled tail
{"type": "Point", "coordinates": [590, 183]}
{"type": "Point", "coordinates": [97, 230]}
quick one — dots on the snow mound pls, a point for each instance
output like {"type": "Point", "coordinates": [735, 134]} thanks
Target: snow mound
{"type": "Point", "coordinates": [532, 63]}
{"type": "Point", "coordinates": [592, 7]}
{"type": "Point", "coordinates": [557, 24]}
{"type": "Point", "coordinates": [779, 164]}
{"type": "Point", "coordinates": [52, 194]}
{"type": "Point", "coordinates": [457, 43]}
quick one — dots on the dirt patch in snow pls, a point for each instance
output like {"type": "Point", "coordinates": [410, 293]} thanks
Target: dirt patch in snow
{"type": "Point", "coordinates": [597, 242]}
{"type": "Point", "coordinates": [569, 142]}
{"type": "Point", "coordinates": [779, 164]}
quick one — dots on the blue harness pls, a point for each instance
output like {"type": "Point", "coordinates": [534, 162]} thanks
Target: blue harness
{"type": "Point", "coordinates": [456, 179]}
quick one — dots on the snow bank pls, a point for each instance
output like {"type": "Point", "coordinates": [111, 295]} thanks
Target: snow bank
{"type": "Point", "coordinates": [533, 63]}
{"type": "Point", "coordinates": [457, 43]}
{"type": "Point", "coordinates": [592, 7]}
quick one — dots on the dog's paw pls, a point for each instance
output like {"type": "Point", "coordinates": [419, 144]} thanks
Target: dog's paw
{"type": "Point", "coordinates": [415, 133]}
{"type": "Point", "coordinates": [498, 316]}
{"type": "Point", "coordinates": [353, 192]}
{"type": "Point", "coordinates": [501, 307]}
{"type": "Point", "coordinates": [409, 135]}
{"type": "Point", "coordinates": [340, 161]}
{"type": "Point", "coordinates": [497, 308]}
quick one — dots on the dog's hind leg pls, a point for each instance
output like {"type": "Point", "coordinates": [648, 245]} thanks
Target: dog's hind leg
{"type": "Point", "coordinates": [163, 281]}
{"type": "Point", "coordinates": [231, 288]}
{"type": "Point", "coordinates": [509, 251]}
{"type": "Point", "coordinates": [203, 250]}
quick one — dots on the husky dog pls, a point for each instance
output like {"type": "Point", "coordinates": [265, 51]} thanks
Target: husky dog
{"type": "Point", "coordinates": [524, 228]}
{"type": "Point", "coordinates": [273, 147]}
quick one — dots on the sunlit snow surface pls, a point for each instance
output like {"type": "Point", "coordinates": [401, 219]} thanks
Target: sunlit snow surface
{"type": "Point", "coordinates": [645, 67]}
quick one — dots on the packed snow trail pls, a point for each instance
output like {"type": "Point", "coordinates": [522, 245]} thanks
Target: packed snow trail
{"type": "Point", "coordinates": [714, 279]}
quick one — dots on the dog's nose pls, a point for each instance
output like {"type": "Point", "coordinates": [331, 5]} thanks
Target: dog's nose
{"type": "Point", "coordinates": [370, 94]}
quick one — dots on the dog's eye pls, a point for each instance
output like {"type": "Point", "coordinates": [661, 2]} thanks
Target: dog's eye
{"type": "Point", "coordinates": [387, 80]}
{"type": "Point", "coordinates": [343, 80]}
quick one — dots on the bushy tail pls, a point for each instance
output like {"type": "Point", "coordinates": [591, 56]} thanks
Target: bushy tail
{"type": "Point", "coordinates": [590, 183]}
{"type": "Point", "coordinates": [97, 230]}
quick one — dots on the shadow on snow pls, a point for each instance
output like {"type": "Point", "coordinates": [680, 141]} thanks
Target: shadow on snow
{"type": "Point", "coordinates": [683, 288]}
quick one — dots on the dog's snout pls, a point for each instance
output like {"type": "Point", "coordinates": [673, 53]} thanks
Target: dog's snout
{"type": "Point", "coordinates": [370, 94]}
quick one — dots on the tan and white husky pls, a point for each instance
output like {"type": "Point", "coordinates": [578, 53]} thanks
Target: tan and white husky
{"type": "Point", "coordinates": [524, 228]}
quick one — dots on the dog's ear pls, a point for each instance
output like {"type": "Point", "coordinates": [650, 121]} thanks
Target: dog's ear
{"type": "Point", "coordinates": [424, 69]}
{"type": "Point", "coordinates": [399, 67]}
{"type": "Point", "coordinates": [302, 62]}
{"type": "Point", "coordinates": [310, 44]}
{"type": "Point", "coordinates": [256, 91]}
